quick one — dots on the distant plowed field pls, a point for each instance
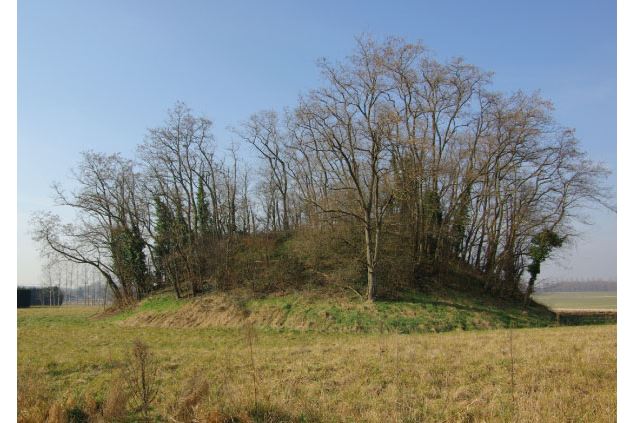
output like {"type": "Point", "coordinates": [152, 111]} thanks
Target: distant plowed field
{"type": "Point", "coordinates": [600, 300]}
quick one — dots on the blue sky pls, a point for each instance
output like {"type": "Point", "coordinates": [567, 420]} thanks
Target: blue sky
{"type": "Point", "coordinates": [96, 75]}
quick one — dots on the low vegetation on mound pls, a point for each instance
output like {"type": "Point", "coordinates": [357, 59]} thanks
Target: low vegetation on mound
{"type": "Point", "coordinates": [321, 312]}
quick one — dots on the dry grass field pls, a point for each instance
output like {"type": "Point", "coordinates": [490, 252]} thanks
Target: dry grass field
{"type": "Point", "coordinates": [72, 362]}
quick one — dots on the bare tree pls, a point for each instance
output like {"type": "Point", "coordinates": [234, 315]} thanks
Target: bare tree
{"type": "Point", "coordinates": [349, 125]}
{"type": "Point", "coordinates": [262, 131]}
{"type": "Point", "coordinates": [108, 221]}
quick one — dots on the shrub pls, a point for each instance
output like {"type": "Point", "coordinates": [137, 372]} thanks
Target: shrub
{"type": "Point", "coordinates": [141, 377]}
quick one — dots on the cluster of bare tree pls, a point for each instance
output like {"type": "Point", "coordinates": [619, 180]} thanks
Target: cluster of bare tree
{"type": "Point", "coordinates": [416, 167]}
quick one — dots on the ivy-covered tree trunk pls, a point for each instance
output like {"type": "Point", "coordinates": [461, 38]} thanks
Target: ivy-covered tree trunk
{"type": "Point", "coordinates": [129, 261]}
{"type": "Point", "coordinates": [541, 247]}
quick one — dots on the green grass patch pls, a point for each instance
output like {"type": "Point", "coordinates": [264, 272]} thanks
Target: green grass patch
{"type": "Point", "coordinates": [160, 303]}
{"type": "Point", "coordinates": [415, 313]}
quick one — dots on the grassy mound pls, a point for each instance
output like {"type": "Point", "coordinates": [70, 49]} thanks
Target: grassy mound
{"type": "Point", "coordinates": [314, 311]}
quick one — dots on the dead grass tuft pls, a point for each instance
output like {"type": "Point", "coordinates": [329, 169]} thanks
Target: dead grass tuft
{"type": "Point", "coordinates": [187, 404]}
{"type": "Point", "coordinates": [32, 400]}
{"type": "Point", "coordinates": [56, 414]}
{"type": "Point", "coordinates": [116, 403]}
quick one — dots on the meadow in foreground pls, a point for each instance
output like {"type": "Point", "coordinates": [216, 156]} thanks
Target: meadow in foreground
{"type": "Point", "coordinates": [71, 363]}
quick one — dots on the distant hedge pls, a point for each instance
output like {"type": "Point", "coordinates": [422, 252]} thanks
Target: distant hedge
{"type": "Point", "coordinates": [24, 297]}
{"type": "Point", "coordinates": [44, 296]}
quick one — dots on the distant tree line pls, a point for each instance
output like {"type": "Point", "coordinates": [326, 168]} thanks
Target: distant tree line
{"type": "Point", "coordinates": [398, 171]}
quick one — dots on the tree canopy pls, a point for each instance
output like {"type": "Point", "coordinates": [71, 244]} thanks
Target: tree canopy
{"type": "Point", "coordinates": [400, 169]}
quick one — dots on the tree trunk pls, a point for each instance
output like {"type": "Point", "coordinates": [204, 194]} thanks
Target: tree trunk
{"type": "Point", "coordinates": [530, 289]}
{"type": "Point", "coordinates": [371, 284]}
{"type": "Point", "coordinates": [370, 265]}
